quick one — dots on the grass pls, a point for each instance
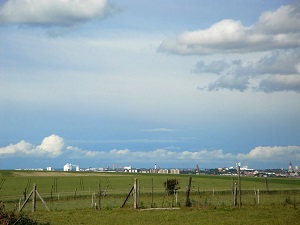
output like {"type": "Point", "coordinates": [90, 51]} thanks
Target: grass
{"type": "Point", "coordinates": [250, 215]}
{"type": "Point", "coordinates": [211, 197]}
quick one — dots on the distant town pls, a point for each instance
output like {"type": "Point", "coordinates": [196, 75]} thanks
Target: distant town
{"type": "Point", "coordinates": [291, 171]}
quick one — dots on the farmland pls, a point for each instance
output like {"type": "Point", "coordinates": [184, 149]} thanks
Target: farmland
{"type": "Point", "coordinates": [71, 198]}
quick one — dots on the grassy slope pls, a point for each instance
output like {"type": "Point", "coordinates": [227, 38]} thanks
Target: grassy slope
{"type": "Point", "coordinates": [206, 209]}
{"type": "Point", "coordinates": [250, 215]}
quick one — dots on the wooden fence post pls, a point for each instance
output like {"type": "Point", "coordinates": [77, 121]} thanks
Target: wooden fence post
{"type": "Point", "coordinates": [75, 193]}
{"type": "Point", "coordinates": [235, 195]}
{"type": "Point", "coordinates": [34, 198]}
{"type": "Point", "coordinates": [42, 200]}
{"type": "Point", "coordinates": [34, 192]}
{"type": "Point", "coordinates": [135, 194]}
{"type": "Point", "coordinates": [24, 194]}
{"type": "Point", "coordinates": [232, 185]}
{"type": "Point", "coordinates": [188, 201]}
{"type": "Point", "coordinates": [92, 205]}
{"type": "Point", "coordinates": [24, 203]}
{"type": "Point", "coordinates": [51, 192]}
{"type": "Point", "coordinates": [152, 194]}
{"type": "Point", "coordinates": [267, 184]}
{"type": "Point", "coordinates": [99, 194]}
{"type": "Point", "coordinates": [239, 184]}
{"type": "Point", "coordinates": [127, 196]}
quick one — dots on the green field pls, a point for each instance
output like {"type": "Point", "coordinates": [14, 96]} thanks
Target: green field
{"type": "Point", "coordinates": [75, 193]}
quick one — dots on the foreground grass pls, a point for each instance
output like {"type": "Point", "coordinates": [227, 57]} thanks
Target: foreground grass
{"type": "Point", "coordinates": [211, 199]}
{"type": "Point", "coordinates": [247, 215]}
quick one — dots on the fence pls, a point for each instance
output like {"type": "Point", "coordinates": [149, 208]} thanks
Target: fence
{"type": "Point", "coordinates": [146, 194]}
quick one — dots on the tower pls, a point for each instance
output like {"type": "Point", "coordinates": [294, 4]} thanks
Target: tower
{"type": "Point", "coordinates": [197, 169]}
{"type": "Point", "coordinates": [290, 167]}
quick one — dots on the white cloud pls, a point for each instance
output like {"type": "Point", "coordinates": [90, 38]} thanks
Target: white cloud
{"type": "Point", "coordinates": [274, 30]}
{"type": "Point", "coordinates": [51, 147]}
{"type": "Point", "coordinates": [272, 153]}
{"type": "Point", "coordinates": [258, 155]}
{"type": "Point", "coordinates": [120, 152]}
{"type": "Point", "coordinates": [162, 154]}
{"type": "Point", "coordinates": [275, 36]}
{"type": "Point", "coordinates": [20, 148]}
{"type": "Point", "coordinates": [54, 12]}
{"type": "Point", "coordinates": [285, 19]}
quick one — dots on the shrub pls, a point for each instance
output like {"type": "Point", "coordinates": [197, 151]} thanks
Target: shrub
{"type": "Point", "coordinates": [171, 185]}
{"type": "Point", "coordinates": [16, 219]}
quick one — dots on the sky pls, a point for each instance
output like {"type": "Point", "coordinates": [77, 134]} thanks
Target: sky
{"type": "Point", "coordinates": [98, 83]}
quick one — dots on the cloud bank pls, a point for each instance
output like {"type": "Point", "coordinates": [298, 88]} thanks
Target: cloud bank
{"type": "Point", "coordinates": [276, 36]}
{"type": "Point", "coordinates": [274, 30]}
{"type": "Point", "coordinates": [272, 153]}
{"type": "Point", "coordinates": [276, 71]}
{"type": "Point", "coordinates": [54, 12]}
{"type": "Point", "coordinates": [53, 147]}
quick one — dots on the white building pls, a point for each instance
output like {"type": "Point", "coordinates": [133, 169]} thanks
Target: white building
{"type": "Point", "coordinates": [127, 168]}
{"type": "Point", "coordinates": [49, 168]}
{"type": "Point", "coordinates": [165, 171]}
{"type": "Point", "coordinates": [175, 171]}
{"type": "Point", "coordinates": [68, 167]}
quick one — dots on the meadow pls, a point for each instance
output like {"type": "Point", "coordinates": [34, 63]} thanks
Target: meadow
{"type": "Point", "coordinates": [71, 197]}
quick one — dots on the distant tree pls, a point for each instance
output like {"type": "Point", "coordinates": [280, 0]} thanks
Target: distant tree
{"type": "Point", "coordinates": [171, 185]}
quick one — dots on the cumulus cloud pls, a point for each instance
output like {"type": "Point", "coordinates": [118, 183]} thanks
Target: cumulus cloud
{"type": "Point", "coordinates": [275, 35]}
{"type": "Point", "coordinates": [272, 153]}
{"type": "Point", "coordinates": [274, 30]}
{"type": "Point", "coordinates": [162, 154]}
{"type": "Point", "coordinates": [276, 154]}
{"type": "Point", "coordinates": [54, 12]}
{"type": "Point", "coordinates": [51, 147]}
{"type": "Point", "coordinates": [285, 19]}
{"type": "Point", "coordinates": [21, 148]}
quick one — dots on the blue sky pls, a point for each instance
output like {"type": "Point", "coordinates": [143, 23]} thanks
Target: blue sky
{"type": "Point", "coordinates": [177, 83]}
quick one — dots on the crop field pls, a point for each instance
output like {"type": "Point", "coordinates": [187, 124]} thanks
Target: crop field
{"type": "Point", "coordinates": [71, 198]}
